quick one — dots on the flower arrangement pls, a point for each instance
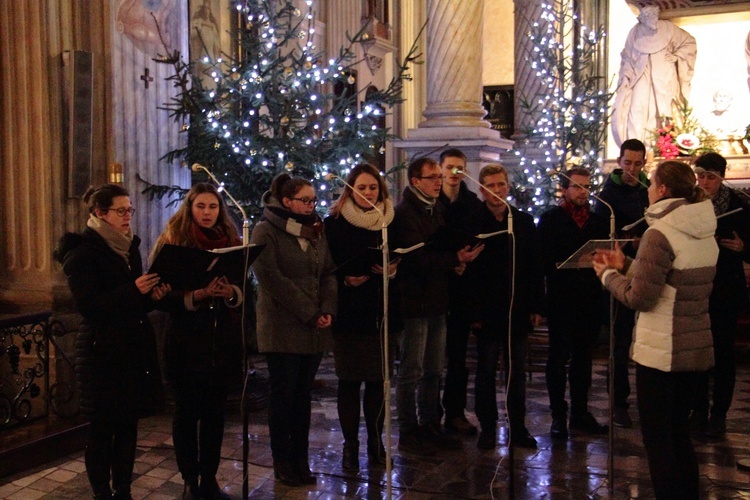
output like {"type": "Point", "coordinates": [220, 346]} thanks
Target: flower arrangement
{"type": "Point", "coordinates": [683, 136]}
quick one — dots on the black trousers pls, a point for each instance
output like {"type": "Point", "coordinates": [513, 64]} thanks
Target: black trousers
{"type": "Point", "coordinates": [198, 427]}
{"type": "Point", "coordinates": [723, 331]}
{"type": "Point", "coordinates": [373, 403]}
{"type": "Point", "coordinates": [290, 378]}
{"type": "Point", "coordinates": [664, 402]}
{"type": "Point", "coordinates": [111, 447]}
{"type": "Point", "coordinates": [623, 331]}
{"type": "Point", "coordinates": [456, 374]}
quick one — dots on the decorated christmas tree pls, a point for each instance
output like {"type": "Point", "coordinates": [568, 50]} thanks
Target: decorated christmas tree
{"type": "Point", "coordinates": [568, 110]}
{"type": "Point", "coordinates": [278, 104]}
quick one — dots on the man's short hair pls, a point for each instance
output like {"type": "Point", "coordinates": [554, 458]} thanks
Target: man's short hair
{"type": "Point", "coordinates": [415, 167]}
{"type": "Point", "coordinates": [452, 153]}
{"type": "Point", "coordinates": [633, 145]}
{"type": "Point", "coordinates": [713, 162]}
{"type": "Point", "coordinates": [565, 182]}
{"type": "Point", "coordinates": [492, 169]}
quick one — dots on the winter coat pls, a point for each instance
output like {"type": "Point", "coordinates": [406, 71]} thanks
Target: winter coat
{"type": "Point", "coordinates": [294, 287]}
{"type": "Point", "coordinates": [669, 283]}
{"type": "Point", "coordinates": [629, 204]}
{"type": "Point", "coordinates": [574, 296]}
{"type": "Point", "coordinates": [422, 280]}
{"type": "Point", "coordinates": [117, 367]}
{"type": "Point", "coordinates": [730, 294]}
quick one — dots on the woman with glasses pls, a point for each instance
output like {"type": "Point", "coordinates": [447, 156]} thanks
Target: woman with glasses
{"type": "Point", "coordinates": [353, 227]}
{"type": "Point", "coordinates": [117, 367]}
{"type": "Point", "coordinates": [203, 346]}
{"type": "Point", "coordinates": [296, 303]}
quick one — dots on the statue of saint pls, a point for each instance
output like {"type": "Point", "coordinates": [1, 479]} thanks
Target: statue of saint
{"type": "Point", "coordinates": [657, 67]}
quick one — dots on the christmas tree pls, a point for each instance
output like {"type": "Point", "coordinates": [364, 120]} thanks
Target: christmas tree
{"type": "Point", "coordinates": [278, 105]}
{"type": "Point", "coordinates": [569, 110]}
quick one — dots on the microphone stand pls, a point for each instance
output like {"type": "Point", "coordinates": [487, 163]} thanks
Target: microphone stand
{"type": "Point", "coordinates": [245, 363]}
{"type": "Point", "coordinates": [511, 468]}
{"type": "Point", "coordinates": [386, 354]}
{"type": "Point", "coordinates": [611, 360]}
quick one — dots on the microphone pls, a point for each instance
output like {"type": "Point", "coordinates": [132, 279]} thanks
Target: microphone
{"type": "Point", "coordinates": [456, 171]}
{"type": "Point", "coordinates": [245, 221]}
{"type": "Point", "coordinates": [612, 232]}
{"type": "Point", "coordinates": [619, 171]}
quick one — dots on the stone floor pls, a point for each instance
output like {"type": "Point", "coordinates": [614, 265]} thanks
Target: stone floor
{"type": "Point", "coordinates": [573, 469]}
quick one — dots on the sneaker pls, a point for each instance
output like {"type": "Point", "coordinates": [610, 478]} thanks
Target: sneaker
{"type": "Point", "coordinates": [587, 424]}
{"type": "Point", "coordinates": [522, 438]}
{"type": "Point", "coordinates": [460, 425]}
{"type": "Point", "coordinates": [559, 428]}
{"type": "Point", "coordinates": [716, 427]}
{"type": "Point", "coordinates": [487, 439]}
{"type": "Point", "coordinates": [434, 434]}
{"type": "Point", "coordinates": [621, 418]}
{"type": "Point", "coordinates": [411, 442]}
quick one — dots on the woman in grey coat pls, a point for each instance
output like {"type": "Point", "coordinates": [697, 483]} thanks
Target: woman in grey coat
{"type": "Point", "coordinates": [296, 300]}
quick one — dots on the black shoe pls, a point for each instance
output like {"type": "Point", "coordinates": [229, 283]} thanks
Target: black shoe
{"type": "Point", "coordinates": [621, 418]}
{"type": "Point", "coordinates": [716, 427]}
{"type": "Point", "coordinates": [376, 455]}
{"type": "Point", "coordinates": [698, 422]}
{"type": "Point", "coordinates": [522, 438]}
{"type": "Point", "coordinates": [460, 425]}
{"type": "Point", "coordinates": [286, 474]}
{"type": "Point", "coordinates": [210, 490]}
{"type": "Point", "coordinates": [350, 458]}
{"type": "Point", "coordinates": [191, 491]}
{"type": "Point", "coordinates": [304, 473]}
{"type": "Point", "coordinates": [587, 423]}
{"type": "Point", "coordinates": [412, 442]}
{"type": "Point", "coordinates": [487, 439]}
{"type": "Point", "coordinates": [559, 428]}
{"type": "Point", "coordinates": [435, 435]}
{"type": "Point", "coordinates": [122, 494]}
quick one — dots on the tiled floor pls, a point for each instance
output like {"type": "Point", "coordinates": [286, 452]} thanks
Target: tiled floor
{"type": "Point", "coordinates": [573, 469]}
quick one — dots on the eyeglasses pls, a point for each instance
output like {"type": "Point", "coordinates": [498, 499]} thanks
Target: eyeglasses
{"type": "Point", "coordinates": [432, 178]}
{"type": "Point", "coordinates": [122, 211]}
{"type": "Point", "coordinates": [307, 201]}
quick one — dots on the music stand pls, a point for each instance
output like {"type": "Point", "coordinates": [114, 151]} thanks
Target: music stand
{"type": "Point", "coordinates": [583, 258]}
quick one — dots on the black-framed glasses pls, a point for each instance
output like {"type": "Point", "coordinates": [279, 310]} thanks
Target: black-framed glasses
{"type": "Point", "coordinates": [122, 211]}
{"type": "Point", "coordinates": [307, 201]}
{"type": "Point", "coordinates": [432, 178]}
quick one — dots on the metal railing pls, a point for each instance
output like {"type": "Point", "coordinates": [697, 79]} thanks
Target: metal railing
{"type": "Point", "coordinates": [27, 392]}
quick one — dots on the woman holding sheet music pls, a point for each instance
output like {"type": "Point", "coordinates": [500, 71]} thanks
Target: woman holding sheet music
{"type": "Point", "coordinates": [353, 228]}
{"type": "Point", "coordinates": [296, 303]}
{"type": "Point", "coordinates": [203, 347]}
{"type": "Point", "coordinates": [117, 367]}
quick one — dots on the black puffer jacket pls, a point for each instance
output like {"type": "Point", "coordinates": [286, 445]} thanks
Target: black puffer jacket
{"type": "Point", "coordinates": [117, 368]}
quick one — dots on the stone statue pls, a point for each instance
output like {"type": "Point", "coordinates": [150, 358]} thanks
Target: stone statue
{"type": "Point", "coordinates": [747, 56]}
{"type": "Point", "coordinates": [657, 67]}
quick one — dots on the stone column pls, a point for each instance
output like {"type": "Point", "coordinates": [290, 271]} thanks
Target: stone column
{"type": "Point", "coordinates": [454, 88]}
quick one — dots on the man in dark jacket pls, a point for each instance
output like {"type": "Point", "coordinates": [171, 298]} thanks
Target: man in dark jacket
{"type": "Point", "coordinates": [422, 288]}
{"type": "Point", "coordinates": [459, 204]}
{"type": "Point", "coordinates": [574, 304]}
{"type": "Point", "coordinates": [626, 191]}
{"type": "Point", "coordinates": [729, 295]}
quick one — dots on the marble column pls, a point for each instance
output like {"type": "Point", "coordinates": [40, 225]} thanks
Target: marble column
{"type": "Point", "coordinates": [454, 88]}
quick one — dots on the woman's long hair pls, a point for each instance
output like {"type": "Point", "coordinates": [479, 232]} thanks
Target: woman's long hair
{"type": "Point", "coordinates": [679, 179]}
{"type": "Point", "coordinates": [179, 229]}
{"type": "Point", "coordinates": [351, 179]}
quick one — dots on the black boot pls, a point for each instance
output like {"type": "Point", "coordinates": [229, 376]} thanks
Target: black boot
{"type": "Point", "coordinates": [350, 460]}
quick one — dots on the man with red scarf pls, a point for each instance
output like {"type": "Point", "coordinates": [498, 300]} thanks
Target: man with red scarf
{"type": "Point", "coordinates": [574, 304]}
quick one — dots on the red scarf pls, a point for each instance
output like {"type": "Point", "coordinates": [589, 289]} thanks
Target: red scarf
{"type": "Point", "coordinates": [579, 214]}
{"type": "Point", "coordinates": [209, 239]}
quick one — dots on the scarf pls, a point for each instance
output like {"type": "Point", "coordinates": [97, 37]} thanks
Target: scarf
{"type": "Point", "coordinates": [309, 227]}
{"type": "Point", "coordinates": [721, 200]}
{"type": "Point", "coordinates": [580, 215]}
{"type": "Point", "coordinates": [429, 202]}
{"type": "Point", "coordinates": [119, 242]}
{"type": "Point", "coordinates": [367, 219]}
{"type": "Point", "coordinates": [209, 238]}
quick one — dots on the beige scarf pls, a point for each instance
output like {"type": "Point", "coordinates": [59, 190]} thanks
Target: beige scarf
{"type": "Point", "coordinates": [117, 241]}
{"type": "Point", "coordinates": [367, 219]}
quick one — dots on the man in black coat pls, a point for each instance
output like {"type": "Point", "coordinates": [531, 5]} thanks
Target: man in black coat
{"type": "Point", "coordinates": [729, 295]}
{"type": "Point", "coordinates": [626, 191]}
{"type": "Point", "coordinates": [422, 289]}
{"type": "Point", "coordinates": [574, 304]}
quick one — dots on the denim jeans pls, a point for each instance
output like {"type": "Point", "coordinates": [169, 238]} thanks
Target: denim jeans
{"type": "Point", "coordinates": [290, 377]}
{"type": "Point", "coordinates": [422, 360]}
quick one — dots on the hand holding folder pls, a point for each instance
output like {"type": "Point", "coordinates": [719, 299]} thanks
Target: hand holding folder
{"type": "Point", "coordinates": [186, 268]}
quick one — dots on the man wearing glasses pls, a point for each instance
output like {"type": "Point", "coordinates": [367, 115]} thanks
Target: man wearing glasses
{"type": "Point", "coordinates": [422, 288]}
{"type": "Point", "coordinates": [728, 297]}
